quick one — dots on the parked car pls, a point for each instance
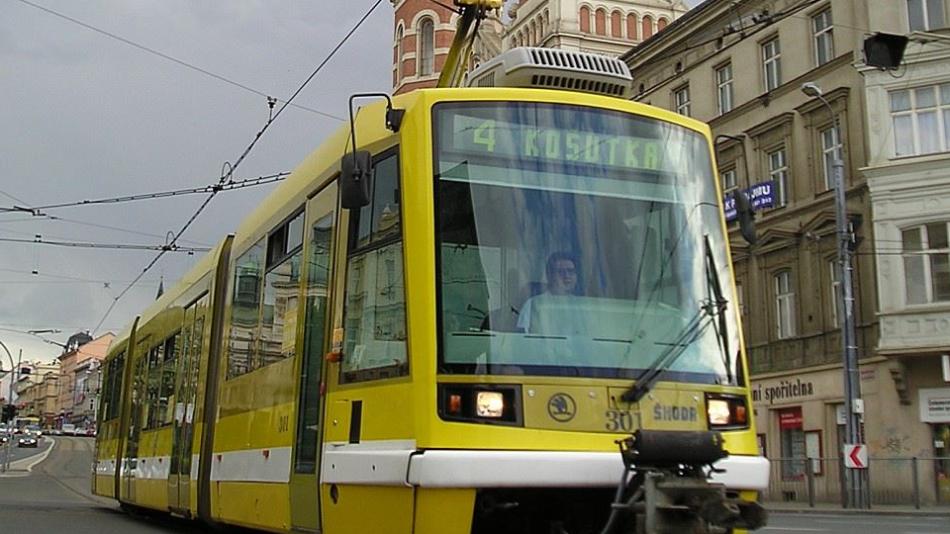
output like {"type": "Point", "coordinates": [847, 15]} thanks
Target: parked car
{"type": "Point", "coordinates": [27, 441]}
{"type": "Point", "coordinates": [69, 429]}
{"type": "Point", "coordinates": [4, 438]}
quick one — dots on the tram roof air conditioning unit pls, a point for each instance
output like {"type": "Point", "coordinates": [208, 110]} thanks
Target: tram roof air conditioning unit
{"type": "Point", "coordinates": [546, 68]}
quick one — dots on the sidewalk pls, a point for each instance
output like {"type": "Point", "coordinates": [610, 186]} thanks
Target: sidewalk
{"type": "Point", "coordinates": [881, 509]}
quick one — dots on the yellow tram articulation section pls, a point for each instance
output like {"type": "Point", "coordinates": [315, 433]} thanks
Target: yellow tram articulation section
{"type": "Point", "coordinates": [221, 405]}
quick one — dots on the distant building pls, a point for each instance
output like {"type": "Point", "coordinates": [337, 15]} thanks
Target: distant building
{"type": "Point", "coordinates": [75, 368]}
{"type": "Point", "coordinates": [424, 30]}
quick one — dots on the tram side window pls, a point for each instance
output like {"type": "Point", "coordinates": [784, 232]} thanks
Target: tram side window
{"type": "Point", "coordinates": [245, 305]}
{"type": "Point", "coordinates": [166, 399]}
{"type": "Point", "coordinates": [113, 388]}
{"type": "Point", "coordinates": [153, 385]}
{"type": "Point", "coordinates": [281, 285]}
{"type": "Point", "coordinates": [375, 305]}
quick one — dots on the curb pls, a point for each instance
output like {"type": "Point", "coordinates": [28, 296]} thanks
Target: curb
{"type": "Point", "coordinates": [851, 511]}
{"type": "Point", "coordinates": [26, 465]}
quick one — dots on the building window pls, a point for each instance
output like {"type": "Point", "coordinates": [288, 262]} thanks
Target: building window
{"type": "Point", "coordinates": [681, 100]}
{"type": "Point", "coordinates": [831, 151]}
{"type": "Point", "coordinates": [600, 22]}
{"type": "Point", "coordinates": [921, 119]}
{"type": "Point", "coordinates": [584, 17]}
{"type": "Point", "coordinates": [729, 181]}
{"type": "Point", "coordinates": [398, 58]}
{"type": "Point", "coordinates": [792, 443]}
{"type": "Point", "coordinates": [772, 64]}
{"type": "Point", "coordinates": [784, 305]}
{"type": "Point", "coordinates": [824, 41]}
{"type": "Point", "coordinates": [661, 23]}
{"type": "Point", "coordinates": [924, 15]}
{"type": "Point", "coordinates": [616, 24]}
{"type": "Point", "coordinates": [647, 27]}
{"type": "Point", "coordinates": [632, 27]}
{"type": "Point", "coordinates": [426, 47]}
{"type": "Point", "coordinates": [835, 292]}
{"type": "Point", "coordinates": [724, 87]}
{"type": "Point", "coordinates": [926, 263]}
{"type": "Point", "coordinates": [778, 173]}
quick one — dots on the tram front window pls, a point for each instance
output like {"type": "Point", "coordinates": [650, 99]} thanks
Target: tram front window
{"type": "Point", "coordinates": [571, 243]}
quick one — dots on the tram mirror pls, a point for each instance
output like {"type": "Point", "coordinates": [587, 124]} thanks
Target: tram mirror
{"type": "Point", "coordinates": [746, 217]}
{"type": "Point", "coordinates": [355, 170]}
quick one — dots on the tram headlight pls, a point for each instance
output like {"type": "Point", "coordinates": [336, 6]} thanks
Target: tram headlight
{"type": "Point", "coordinates": [489, 404]}
{"type": "Point", "coordinates": [726, 411]}
{"type": "Point", "coordinates": [718, 412]}
{"type": "Point", "coordinates": [496, 404]}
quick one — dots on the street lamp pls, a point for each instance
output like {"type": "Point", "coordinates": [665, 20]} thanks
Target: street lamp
{"type": "Point", "coordinates": [855, 479]}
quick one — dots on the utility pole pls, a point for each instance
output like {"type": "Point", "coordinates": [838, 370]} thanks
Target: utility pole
{"type": "Point", "coordinates": [856, 479]}
{"type": "Point", "coordinates": [5, 464]}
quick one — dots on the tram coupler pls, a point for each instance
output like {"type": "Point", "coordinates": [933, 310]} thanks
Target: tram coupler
{"type": "Point", "coordinates": [666, 488]}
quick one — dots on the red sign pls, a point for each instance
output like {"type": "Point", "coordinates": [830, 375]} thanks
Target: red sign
{"type": "Point", "coordinates": [856, 456]}
{"type": "Point", "coordinates": [790, 419]}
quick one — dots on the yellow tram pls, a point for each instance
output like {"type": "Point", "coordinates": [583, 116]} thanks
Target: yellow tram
{"type": "Point", "coordinates": [449, 337]}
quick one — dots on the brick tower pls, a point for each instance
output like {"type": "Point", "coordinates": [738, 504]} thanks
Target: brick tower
{"type": "Point", "coordinates": [422, 38]}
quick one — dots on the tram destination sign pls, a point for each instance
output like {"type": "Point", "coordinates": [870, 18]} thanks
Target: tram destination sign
{"type": "Point", "coordinates": [504, 139]}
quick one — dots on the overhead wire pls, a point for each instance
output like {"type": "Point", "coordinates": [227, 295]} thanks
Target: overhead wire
{"type": "Point", "coordinates": [170, 247]}
{"type": "Point", "coordinates": [171, 58]}
{"type": "Point", "coordinates": [15, 199]}
{"type": "Point", "coordinates": [59, 276]}
{"type": "Point", "coordinates": [115, 228]}
{"type": "Point", "coordinates": [228, 186]}
{"type": "Point", "coordinates": [231, 168]}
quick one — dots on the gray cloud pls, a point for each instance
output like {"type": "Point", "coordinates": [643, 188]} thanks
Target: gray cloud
{"type": "Point", "coordinates": [86, 116]}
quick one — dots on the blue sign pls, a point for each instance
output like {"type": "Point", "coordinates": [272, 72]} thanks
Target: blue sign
{"type": "Point", "coordinates": [760, 195]}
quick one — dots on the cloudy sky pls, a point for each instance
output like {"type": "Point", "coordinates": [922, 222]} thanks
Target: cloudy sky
{"type": "Point", "coordinates": [86, 115]}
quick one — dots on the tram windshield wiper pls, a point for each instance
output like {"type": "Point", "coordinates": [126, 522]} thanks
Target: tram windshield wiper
{"type": "Point", "coordinates": [717, 305]}
{"type": "Point", "coordinates": [714, 307]}
{"type": "Point", "coordinates": [686, 337]}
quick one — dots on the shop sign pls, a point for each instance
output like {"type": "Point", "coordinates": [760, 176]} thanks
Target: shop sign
{"type": "Point", "coordinates": [790, 419]}
{"type": "Point", "coordinates": [760, 195]}
{"type": "Point", "coordinates": [934, 405]}
{"type": "Point", "coordinates": [785, 390]}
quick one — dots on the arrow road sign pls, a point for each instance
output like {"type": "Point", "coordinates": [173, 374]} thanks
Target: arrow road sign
{"type": "Point", "coordinates": [856, 456]}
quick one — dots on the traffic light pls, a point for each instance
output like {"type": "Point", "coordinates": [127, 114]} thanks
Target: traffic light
{"type": "Point", "coordinates": [884, 50]}
{"type": "Point", "coordinates": [9, 413]}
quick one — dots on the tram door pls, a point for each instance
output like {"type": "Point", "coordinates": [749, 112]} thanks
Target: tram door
{"type": "Point", "coordinates": [304, 479]}
{"type": "Point", "coordinates": [179, 477]}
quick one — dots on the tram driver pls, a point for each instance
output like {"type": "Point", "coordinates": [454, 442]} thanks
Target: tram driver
{"type": "Point", "coordinates": [562, 287]}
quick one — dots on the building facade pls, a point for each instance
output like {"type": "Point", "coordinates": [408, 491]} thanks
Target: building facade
{"type": "Point", "coordinates": [740, 68]}
{"type": "Point", "coordinates": [29, 391]}
{"type": "Point", "coordinates": [908, 174]}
